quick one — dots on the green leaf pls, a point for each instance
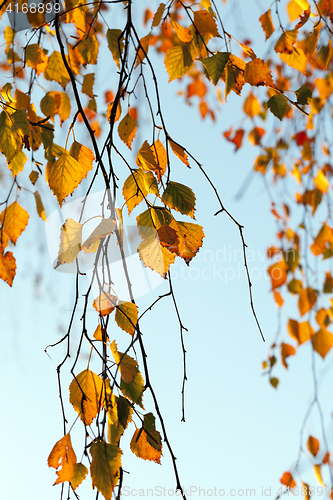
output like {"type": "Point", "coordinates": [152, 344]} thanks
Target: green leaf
{"type": "Point", "coordinates": [178, 61]}
{"type": "Point", "coordinates": [278, 105]}
{"type": "Point", "coordinates": [115, 43]}
{"type": "Point", "coordinates": [105, 465]}
{"type": "Point", "coordinates": [303, 95]}
{"type": "Point", "coordinates": [127, 316]}
{"type": "Point", "coordinates": [215, 65]}
{"type": "Point", "coordinates": [179, 197]}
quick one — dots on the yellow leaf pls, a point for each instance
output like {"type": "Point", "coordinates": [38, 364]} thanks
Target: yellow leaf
{"type": "Point", "coordinates": [257, 73]}
{"type": "Point", "coordinates": [178, 61]}
{"type": "Point", "coordinates": [321, 182]}
{"type": "Point", "coordinates": [161, 158]}
{"type": "Point", "coordinates": [183, 34]}
{"type": "Point", "coordinates": [301, 332]}
{"type": "Point", "coordinates": [88, 84]}
{"type": "Point", "coordinates": [16, 165]}
{"type": "Point", "coordinates": [142, 49]}
{"type": "Point", "coordinates": [313, 445]}
{"type": "Point", "coordinates": [251, 106]}
{"type": "Point", "coordinates": [36, 58]}
{"type": "Point", "coordinates": [285, 43]}
{"type": "Point", "coordinates": [322, 342]}
{"type": "Point", "coordinates": [40, 206]}
{"type": "Point", "coordinates": [80, 472]}
{"type": "Point", "coordinates": [14, 220]}
{"type": "Point", "coordinates": [190, 239]}
{"type": "Point", "coordinates": [105, 303]}
{"type": "Point", "coordinates": [179, 152]}
{"type": "Point", "coordinates": [110, 110]}
{"type": "Point", "coordinates": [63, 456]}
{"type": "Point", "coordinates": [83, 155]}
{"type": "Point", "coordinates": [56, 69]}
{"type": "Point", "coordinates": [295, 8]}
{"type": "Point", "coordinates": [205, 23]}
{"type": "Point", "coordinates": [66, 175]}
{"type": "Point", "coordinates": [86, 394]}
{"type": "Point", "coordinates": [103, 229]}
{"type": "Point", "coordinates": [296, 59]}
{"type": "Point", "coordinates": [127, 316]}
{"type": "Point", "coordinates": [70, 241]}
{"type": "Point", "coordinates": [36, 19]}
{"type": "Point", "coordinates": [267, 23]}
{"type": "Point", "coordinates": [127, 130]}
{"type": "Point", "coordinates": [317, 471]}
{"type": "Point", "coordinates": [104, 468]}
{"type": "Point", "coordinates": [7, 267]}
{"type": "Point", "coordinates": [307, 299]}
{"type": "Point", "coordinates": [115, 43]}
{"type": "Point", "coordinates": [324, 237]}
{"type": "Point", "coordinates": [155, 256]}
{"type": "Point", "coordinates": [137, 186]}
{"type": "Point", "coordinates": [141, 447]}
{"type": "Point", "coordinates": [22, 100]}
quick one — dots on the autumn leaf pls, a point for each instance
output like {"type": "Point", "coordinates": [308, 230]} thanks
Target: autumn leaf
{"type": "Point", "coordinates": [7, 267]}
{"type": "Point", "coordinates": [183, 34]}
{"type": "Point", "coordinates": [66, 174]}
{"type": "Point", "coordinates": [56, 69]}
{"type": "Point", "coordinates": [205, 23]}
{"type": "Point", "coordinates": [251, 106]}
{"type": "Point", "coordinates": [127, 316]}
{"type": "Point", "coordinates": [215, 65]}
{"type": "Point", "coordinates": [62, 457]}
{"type": "Point", "coordinates": [158, 15]}
{"type": "Point", "coordinates": [307, 299]}
{"type": "Point", "coordinates": [105, 303]}
{"type": "Point", "coordinates": [146, 442]}
{"type": "Point", "coordinates": [83, 155]}
{"type": "Point", "coordinates": [115, 43]}
{"type": "Point", "coordinates": [40, 206]}
{"type": "Point", "coordinates": [131, 383]}
{"type": "Point", "coordinates": [155, 256]}
{"type": "Point", "coordinates": [70, 241]}
{"type": "Point", "coordinates": [180, 198]}
{"type": "Point", "coordinates": [286, 42]}
{"type": "Point", "coordinates": [80, 472]}
{"type": "Point", "coordinates": [267, 23]}
{"type": "Point", "coordinates": [10, 142]}
{"type": "Point", "coordinates": [287, 480]}
{"type": "Point", "coordinates": [16, 165]}
{"type": "Point", "coordinates": [297, 59]}
{"type": "Point", "coordinates": [178, 61]}
{"type": "Point", "coordinates": [105, 465]}
{"type": "Point", "coordinates": [317, 471]}
{"type": "Point", "coordinates": [107, 226]}
{"type": "Point", "coordinates": [14, 220]}
{"type": "Point", "coordinates": [119, 415]}
{"type": "Point", "coordinates": [127, 130]}
{"type": "Point", "coordinates": [179, 152]}
{"type": "Point", "coordinates": [322, 342]}
{"type": "Point", "coordinates": [137, 186]}
{"type": "Point", "coordinates": [257, 73]}
{"type": "Point", "coordinates": [86, 394]}
{"type": "Point", "coordinates": [313, 445]}
{"type": "Point", "coordinates": [278, 273]}
{"type": "Point", "coordinates": [278, 105]}
{"type": "Point", "coordinates": [286, 351]}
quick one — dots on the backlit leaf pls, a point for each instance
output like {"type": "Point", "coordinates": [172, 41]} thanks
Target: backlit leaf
{"type": "Point", "coordinates": [127, 130]}
{"type": "Point", "coordinates": [83, 155]}
{"type": "Point", "coordinates": [127, 316]}
{"type": "Point", "coordinates": [313, 445]}
{"type": "Point", "coordinates": [215, 65]}
{"type": "Point", "coordinates": [288, 480]}
{"type": "Point", "coordinates": [56, 69]}
{"type": "Point", "coordinates": [321, 181]}
{"type": "Point", "coordinates": [257, 73]}
{"type": "Point", "coordinates": [267, 23]}
{"type": "Point", "coordinates": [178, 61]}
{"type": "Point", "coordinates": [80, 472]}
{"type": "Point", "coordinates": [14, 220]}
{"type": "Point", "coordinates": [40, 206]}
{"type": "Point", "coordinates": [131, 383]}
{"type": "Point", "coordinates": [303, 95]}
{"type": "Point", "coordinates": [251, 106]}
{"type": "Point", "coordinates": [105, 465]}
{"type": "Point", "coordinates": [278, 273]}
{"type": "Point", "coordinates": [137, 186]}
{"type": "Point", "coordinates": [286, 42]}
{"type": "Point", "coordinates": [322, 342]}
{"type": "Point", "coordinates": [36, 58]}
{"type": "Point", "coordinates": [180, 198]}
{"type": "Point", "coordinates": [142, 49]}
{"type": "Point", "coordinates": [158, 15]}
{"type": "Point", "coordinates": [179, 152]}
{"type": "Point", "coordinates": [107, 226]}
{"type": "Point", "coordinates": [16, 165]}
{"type": "Point", "coordinates": [115, 43]}
{"type": "Point", "coordinates": [10, 142]}
{"type": "Point", "coordinates": [7, 267]}
{"type": "Point", "coordinates": [88, 84]}
{"type": "Point", "coordinates": [105, 303]}
{"type": "Point", "coordinates": [183, 34]}
{"type": "Point", "coordinates": [86, 394]}
{"type": "Point", "coordinates": [66, 175]}
{"type": "Point", "coordinates": [190, 239]}
{"type": "Point", "coordinates": [297, 59]}
{"type": "Point", "coordinates": [205, 23]}
{"type": "Point", "coordinates": [155, 256]}
{"type": "Point", "coordinates": [286, 351]}
{"type": "Point", "coordinates": [70, 241]}
{"type": "Point", "coordinates": [146, 443]}
{"type": "Point", "coordinates": [307, 299]}
{"type": "Point", "coordinates": [62, 457]}
{"type": "Point", "coordinates": [317, 471]}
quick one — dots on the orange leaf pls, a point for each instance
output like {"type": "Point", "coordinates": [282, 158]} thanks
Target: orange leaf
{"type": "Point", "coordinates": [313, 445]}
{"type": "Point", "coordinates": [183, 34]}
{"type": "Point", "coordinates": [205, 23]}
{"type": "Point", "coordinates": [287, 480]}
{"type": "Point", "coordinates": [143, 449]}
{"type": "Point", "coordinates": [278, 298]}
{"type": "Point", "coordinates": [307, 299]}
{"type": "Point", "coordinates": [14, 220]}
{"type": "Point", "coordinates": [278, 273]}
{"type": "Point", "coordinates": [63, 456]}
{"type": "Point", "coordinates": [267, 23]}
{"type": "Point", "coordinates": [179, 152]}
{"type": "Point", "coordinates": [322, 342]}
{"type": "Point", "coordinates": [257, 73]}
{"type": "Point", "coordinates": [105, 303]}
{"type": "Point", "coordinates": [286, 351]}
{"type": "Point", "coordinates": [7, 267]}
